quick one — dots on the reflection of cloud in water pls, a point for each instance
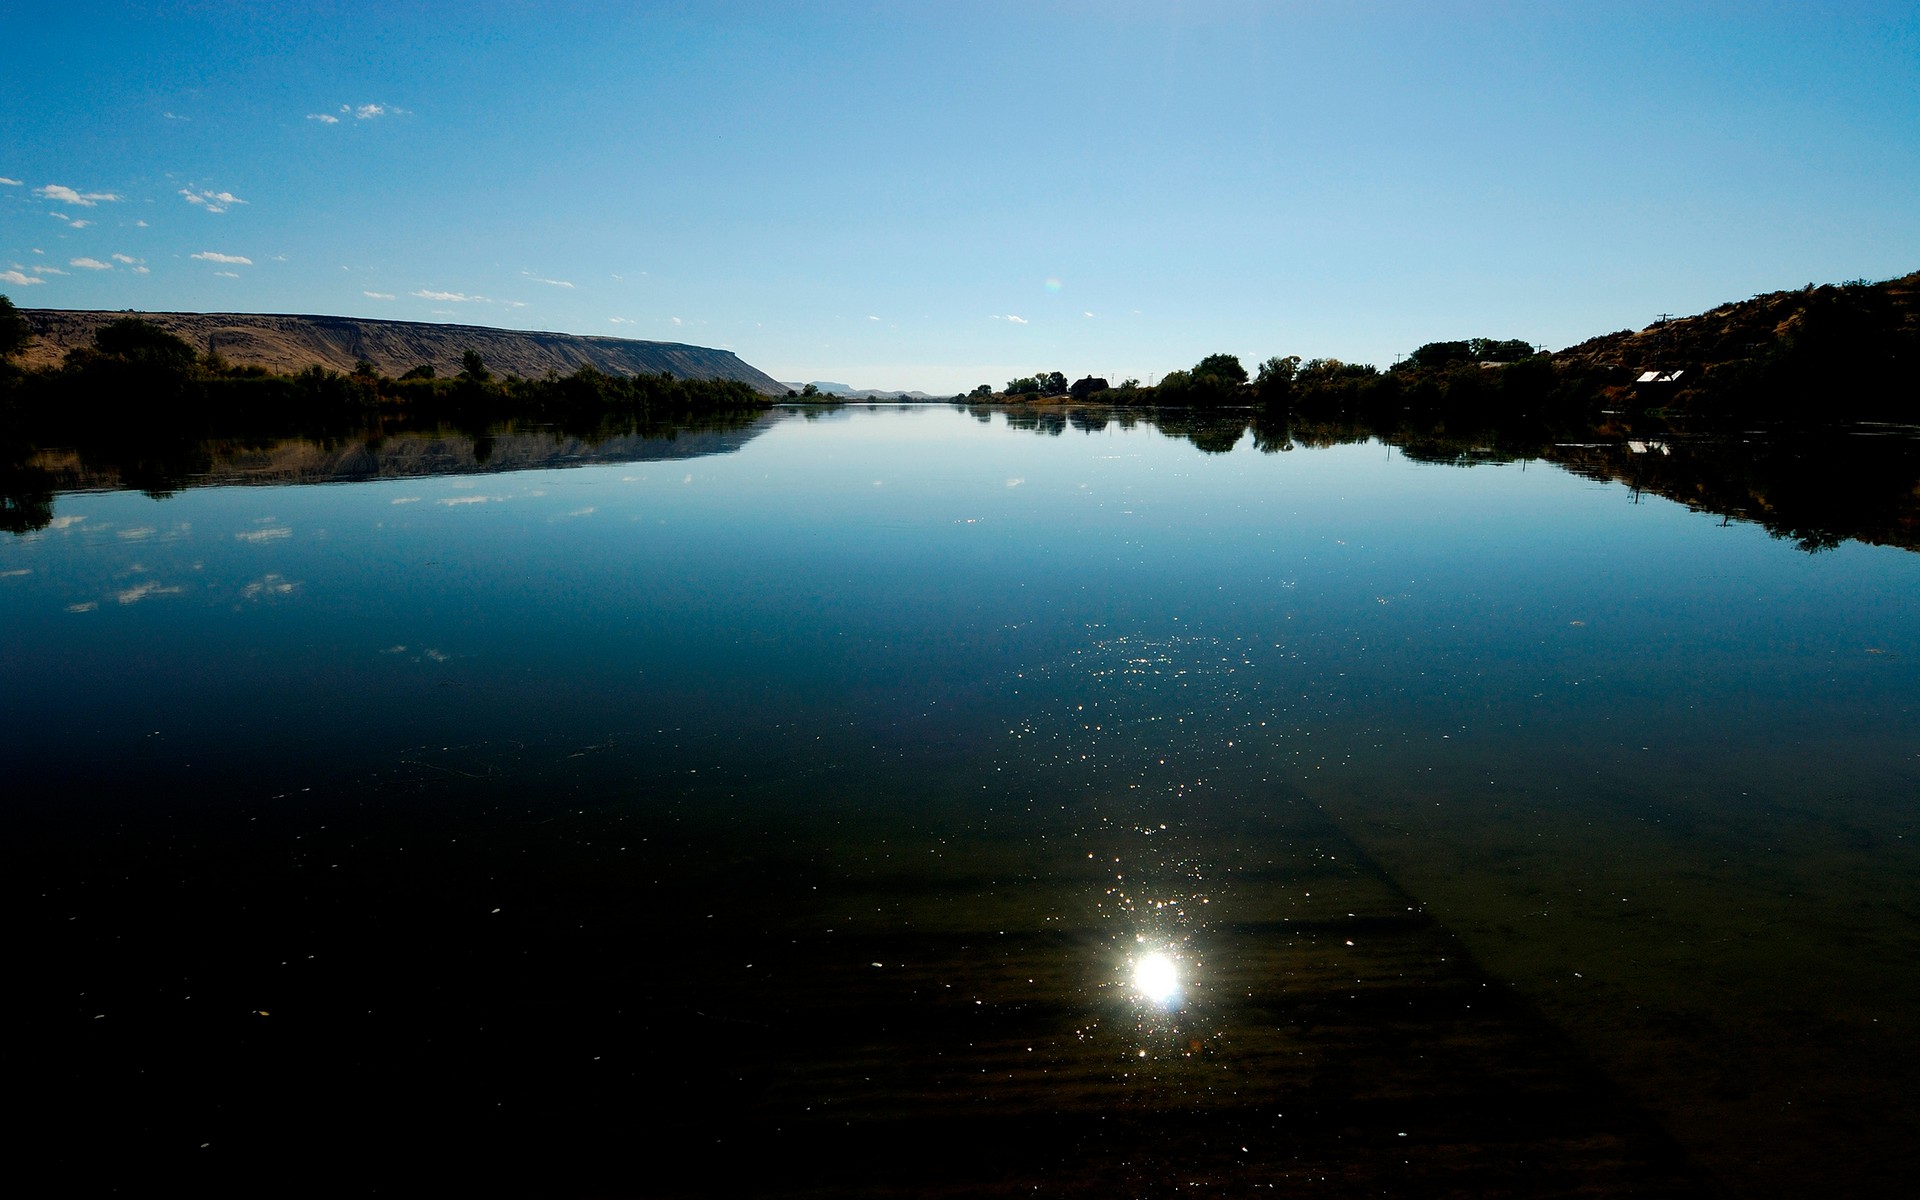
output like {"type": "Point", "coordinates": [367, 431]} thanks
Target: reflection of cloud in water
{"type": "Point", "coordinates": [405, 500]}
{"type": "Point", "coordinates": [269, 586]}
{"type": "Point", "coordinates": [16, 573]}
{"type": "Point", "coordinates": [436, 655]}
{"type": "Point", "coordinates": [581, 512]}
{"type": "Point", "coordinates": [394, 650]}
{"type": "Point", "coordinates": [134, 595]}
{"type": "Point", "coordinates": [89, 606]}
{"type": "Point", "coordinates": [59, 524]}
{"type": "Point", "coordinates": [264, 535]}
{"type": "Point", "coordinates": [135, 535]}
{"type": "Point", "coordinates": [451, 501]}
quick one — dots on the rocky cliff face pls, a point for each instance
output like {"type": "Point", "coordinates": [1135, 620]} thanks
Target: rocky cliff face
{"type": "Point", "coordinates": [293, 343]}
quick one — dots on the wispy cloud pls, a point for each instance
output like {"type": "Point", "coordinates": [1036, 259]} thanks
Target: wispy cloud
{"type": "Point", "coordinates": [873, 318]}
{"type": "Point", "coordinates": [549, 282]}
{"type": "Point", "coordinates": [139, 592]}
{"type": "Point", "coordinates": [61, 194]}
{"type": "Point", "coordinates": [272, 533]}
{"type": "Point", "coordinates": [1008, 317]}
{"type": "Point", "coordinates": [215, 256]}
{"type": "Point", "coordinates": [356, 112]}
{"type": "Point", "coordinates": [174, 116]}
{"type": "Point", "coordinates": [5, 182]}
{"type": "Point", "coordinates": [70, 222]}
{"type": "Point", "coordinates": [449, 297]}
{"type": "Point", "coordinates": [128, 259]}
{"type": "Point", "coordinates": [91, 264]}
{"type": "Point", "coordinates": [378, 295]}
{"type": "Point", "coordinates": [213, 202]}
{"type": "Point", "coordinates": [19, 278]}
{"type": "Point", "coordinates": [228, 274]}
{"type": "Point", "coordinates": [269, 586]}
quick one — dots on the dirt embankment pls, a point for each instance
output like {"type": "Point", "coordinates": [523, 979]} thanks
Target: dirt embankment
{"type": "Point", "coordinates": [292, 343]}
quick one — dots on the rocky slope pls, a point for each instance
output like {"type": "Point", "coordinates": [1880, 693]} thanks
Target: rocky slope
{"type": "Point", "coordinates": [286, 343]}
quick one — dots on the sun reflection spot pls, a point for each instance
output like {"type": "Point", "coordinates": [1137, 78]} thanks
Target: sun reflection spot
{"type": "Point", "coordinates": [1155, 978]}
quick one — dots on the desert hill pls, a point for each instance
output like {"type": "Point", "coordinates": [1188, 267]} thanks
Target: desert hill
{"type": "Point", "coordinates": [289, 343]}
{"type": "Point", "coordinates": [1860, 340]}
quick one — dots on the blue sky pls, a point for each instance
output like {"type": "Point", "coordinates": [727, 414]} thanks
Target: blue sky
{"type": "Point", "coordinates": [932, 196]}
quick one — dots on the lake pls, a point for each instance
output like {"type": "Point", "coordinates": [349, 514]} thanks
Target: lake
{"type": "Point", "coordinates": [938, 801]}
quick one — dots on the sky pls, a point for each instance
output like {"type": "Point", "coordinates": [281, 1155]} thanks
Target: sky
{"type": "Point", "coordinates": [933, 196]}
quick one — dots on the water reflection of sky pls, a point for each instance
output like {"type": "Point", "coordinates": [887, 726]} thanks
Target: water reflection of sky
{"type": "Point", "coordinates": [1168, 740]}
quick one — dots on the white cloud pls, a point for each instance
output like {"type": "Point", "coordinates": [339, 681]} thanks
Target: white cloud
{"type": "Point", "coordinates": [873, 318]}
{"type": "Point", "coordinates": [215, 256]}
{"type": "Point", "coordinates": [323, 118]}
{"type": "Point", "coordinates": [1008, 317]}
{"type": "Point", "coordinates": [10, 182]}
{"type": "Point", "coordinates": [173, 116]}
{"type": "Point", "coordinates": [449, 297]}
{"type": "Point", "coordinates": [228, 274]}
{"type": "Point", "coordinates": [1086, 314]}
{"type": "Point", "coordinates": [550, 282]}
{"type": "Point", "coordinates": [378, 295]}
{"type": "Point", "coordinates": [676, 320]}
{"type": "Point", "coordinates": [213, 202]}
{"type": "Point", "coordinates": [91, 264]}
{"type": "Point", "coordinates": [43, 269]}
{"type": "Point", "coordinates": [19, 279]}
{"type": "Point", "coordinates": [618, 321]}
{"type": "Point", "coordinates": [61, 194]}
{"type": "Point", "coordinates": [271, 533]}
{"type": "Point", "coordinates": [71, 222]}
{"type": "Point", "coordinates": [141, 591]}
{"type": "Point", "coordinates": [139, 224]}
{"type": "Point", "coordinates": [128, 259]}
{"type": "Point", "coordinates": [367, 112]}
{"type": "Point", "coordinates": [269, 586]}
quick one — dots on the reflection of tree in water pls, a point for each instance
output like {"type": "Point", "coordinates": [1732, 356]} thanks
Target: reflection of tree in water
{"type": "Point", "coordinates": [1814, 487]}
{"type": "Point", "coordinates": [150, 456]}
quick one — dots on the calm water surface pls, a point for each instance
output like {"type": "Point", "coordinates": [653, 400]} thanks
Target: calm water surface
{"type": "Point", "coordinates": [904, 801]}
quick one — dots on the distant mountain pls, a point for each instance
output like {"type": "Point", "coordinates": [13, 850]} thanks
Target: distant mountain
{"type": "Point", "coordinates": [286, 343]}
{"type": "Point", "coordinates": [846, 391]}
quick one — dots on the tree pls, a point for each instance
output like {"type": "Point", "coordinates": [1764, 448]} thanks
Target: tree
{"type": "Point", "coordinates": [1274, 381]}
{"type": "Point", "coordinates": [1026, 385]}
{"type": "Point", "coordinates": [1052, 383]}
{"type": "Point", "coordinates": [473, 368]}
{"type": "Point", "coordinates": [982, 391]}
{"type": "Point", "coordinates": [15, 334]}
{"type": "Point", "coordinates": [1225, 368]}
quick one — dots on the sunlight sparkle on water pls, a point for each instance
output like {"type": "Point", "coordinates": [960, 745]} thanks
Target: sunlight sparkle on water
{"type": "Point", "coordinates": [1155, 978]}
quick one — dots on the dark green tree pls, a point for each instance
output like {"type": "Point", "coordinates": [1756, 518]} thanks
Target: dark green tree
{"type": "Point", "coordinates": [473, 368]}
{"type": "Point", "coordinates": [15, 334]}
